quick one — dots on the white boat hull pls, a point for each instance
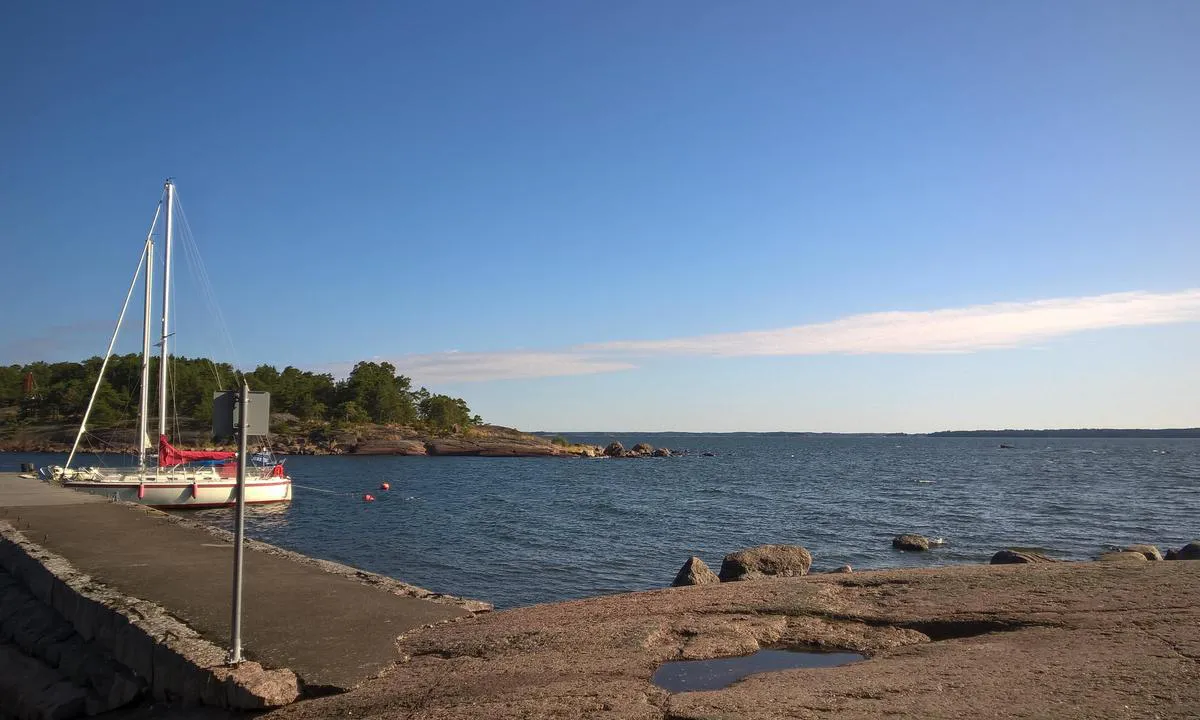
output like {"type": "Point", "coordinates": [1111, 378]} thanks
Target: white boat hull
{"type": "Point", "coordinates": [176, 489]}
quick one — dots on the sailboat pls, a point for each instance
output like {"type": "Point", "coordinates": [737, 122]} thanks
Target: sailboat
{"type": "Point", "coordinates": [174, 478]}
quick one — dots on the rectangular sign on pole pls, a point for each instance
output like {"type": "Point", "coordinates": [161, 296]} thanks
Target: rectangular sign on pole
{"type": "Point", "coordinates": [239, 528]}
{"type": "Point", "coordinates": [242, 413]}
{"type": "Point", "coordinates": [227, 409]}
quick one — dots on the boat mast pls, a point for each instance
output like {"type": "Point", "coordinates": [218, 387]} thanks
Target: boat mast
{"type": "Point", "coordinates": [144, 401]}
{"type": "Point", "coordinates": [166, 310]}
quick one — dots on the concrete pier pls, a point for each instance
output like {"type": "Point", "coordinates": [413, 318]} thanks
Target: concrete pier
{"type": "Point", "coordinates": [329, 625]}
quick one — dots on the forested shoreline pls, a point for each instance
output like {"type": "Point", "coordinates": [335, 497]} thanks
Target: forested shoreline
{"type": "Point", "coordinates": [42, 393]}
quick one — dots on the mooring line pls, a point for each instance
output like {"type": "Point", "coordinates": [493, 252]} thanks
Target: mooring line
{"type": "Point", "coordinates": [331, 492]}
{"type": "Point", "coordinates": [367, 497]}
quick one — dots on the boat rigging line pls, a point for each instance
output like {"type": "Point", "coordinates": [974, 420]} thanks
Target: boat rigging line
{"type": "Point", "coordinates": [111, 343]}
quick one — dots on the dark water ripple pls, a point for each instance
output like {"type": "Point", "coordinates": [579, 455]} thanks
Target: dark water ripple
{"type": "Point", "coordinates": [520, 531]}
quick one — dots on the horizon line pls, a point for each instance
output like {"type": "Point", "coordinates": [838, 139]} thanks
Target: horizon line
{"type": "Point", "coordinates": [859, 432]}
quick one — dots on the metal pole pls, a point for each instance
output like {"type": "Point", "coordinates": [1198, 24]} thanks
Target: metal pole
{"type": "Point", "coordinates": [144, 398]}
{"type": "Point", "coordinates": [235, 650]}
{"type": "Point", "coordinates": [166, 308]}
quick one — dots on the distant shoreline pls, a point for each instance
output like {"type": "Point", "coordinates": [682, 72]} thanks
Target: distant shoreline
{"type": "Point", "coordinates": [1076, 433]}
{"type": "Point", "coordinates": [1175, 433]}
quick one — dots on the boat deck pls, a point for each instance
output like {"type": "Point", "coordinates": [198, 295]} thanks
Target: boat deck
{"type": "Point", "coordinates": [331, 630]}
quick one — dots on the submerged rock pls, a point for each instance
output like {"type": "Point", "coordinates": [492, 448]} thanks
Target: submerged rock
{"type": "Point", "coordinates": [766, 561]}
{"type": "Point", "coordinates": [695, 572]}
{"type": "Point", "coordinates": [1122, 556]}
{"type": "Point", "coordinates": [910, 542]}
{"type": "Point", "coordinates": [1009, 556]}
{"type": "Point", "coordinates": [1151, 552]}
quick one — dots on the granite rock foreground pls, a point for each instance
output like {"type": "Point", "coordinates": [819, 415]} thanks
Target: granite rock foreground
{"type": "Point", "coordinates": [1042, 640]}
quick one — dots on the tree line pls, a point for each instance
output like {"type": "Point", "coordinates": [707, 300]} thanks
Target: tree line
{"type": "Point", "coordinates": [372, 393]}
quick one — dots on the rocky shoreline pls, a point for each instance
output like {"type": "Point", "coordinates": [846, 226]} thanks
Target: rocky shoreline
{"type": "Point", "coordinates": [479, 441]}
{"type": "Point", "coordinates": [766, 561]}
{"type": "Point", "coordinates": [1057, 639]}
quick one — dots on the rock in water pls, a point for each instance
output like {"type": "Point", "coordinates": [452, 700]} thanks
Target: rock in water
{"type": "Point", "coordinates": [662, 452]}
{"type": "Point", "coordinates": [1191, 551]}
{"type": "Point", "coordinates": [695, 572]}
{"type": "Point", "coordinates": [1149, 551]}
{"type": "Point", "coordinates": [1123, 556]}
{"type": "Point", "coordinates": [642, 449]}
{"type": "Point", "coordinates": [764, 561]}
{"type": "Point", "coordinates": [615, 449]}
{"type": "Point", "coordinates": [1171, 554]}
{"type": "Point", "coordinates": [1016, 557]}
{"type": "Point", "coordinates": [910, 542]}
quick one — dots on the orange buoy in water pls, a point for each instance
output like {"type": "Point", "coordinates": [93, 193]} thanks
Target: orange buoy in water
{"type": "Point", "coordinates": [368, 497]}
{"type": "Point", "coordinates": [385, 486]}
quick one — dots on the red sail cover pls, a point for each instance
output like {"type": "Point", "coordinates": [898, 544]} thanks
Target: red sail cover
{"type": "Point", "coordinates": [168, 455]}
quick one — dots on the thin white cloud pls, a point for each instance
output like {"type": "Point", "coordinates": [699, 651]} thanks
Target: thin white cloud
{"type": "Point", "coordinates": [481, 366]}
{"type": "Point", "coordinates": [956, 330]}
{"type": "Point", "coordinates": [969, 329]}
{"type": "Point", "coordinates": [454, 366]}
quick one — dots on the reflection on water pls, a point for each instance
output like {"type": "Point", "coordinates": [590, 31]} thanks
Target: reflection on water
{"type": "Point", "coordinates": [259, 516]}
{"type": "Point", "coordinates": [695, 675]}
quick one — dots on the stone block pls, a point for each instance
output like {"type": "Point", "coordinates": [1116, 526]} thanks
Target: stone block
{"type": "Point", "coordinates": [8, 549]}
{"type": "Point", "coordinates": [61, 701]}
{"type": "Point", "coordinates": [72, 662]}
{"type": "Point", "coordinates": [193, 685]}
{"type": "Point", "coordinates": [34, 626]}
{"type": "Point", "coordinates": [214, 691]}
{"type": "Point", "coordinates": [107, 622]}
{"type": "Point", "coordinates": [54, 652]}
{"type": "Point", "coordinates": [115, 685]}
{"type": "Point", "coordinates": [251, 687]}
{"type": "Point", "coordinates": [167, 674]}
{"type": "Point", "coordinates": [135, 650]}
{"type": "Point", "coordinates": [98, 671]}
{"type": "Point", "coordinates": [121, 636]}
{"type": "Point", "coordinates": [39, 580]}
{"type": "Point", "coordinates": [15, 603]}
{"type": "Point", "coordinates": [87, 615]}
{"type": "Point", "coordinates": [95, 705]}
{"type": "Point", "coordinates": [124, 689]}
{"type": "Point", "coordinates": [11, 626]}
{"type": "Point", "coordinates": [195, 675]}
{"type": "Point", "coordinates": [61, 597]}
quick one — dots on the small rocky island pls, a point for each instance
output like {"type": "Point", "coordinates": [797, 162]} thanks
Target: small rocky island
{"type": "Point", "coordinates": [328, 439]}
{"type": "Point", "coordinates": [373, 410]}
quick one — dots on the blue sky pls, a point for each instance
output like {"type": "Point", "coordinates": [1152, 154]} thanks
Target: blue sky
{"type": "Point", "coordinates": [862, 216]}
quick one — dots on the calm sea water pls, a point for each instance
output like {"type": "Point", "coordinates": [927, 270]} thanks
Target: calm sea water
{"type": "Point", "coordinates": [517, 531]}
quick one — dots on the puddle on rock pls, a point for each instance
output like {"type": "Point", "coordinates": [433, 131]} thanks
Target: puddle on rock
{"type": "Point", "coordinates": [692, 675]}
